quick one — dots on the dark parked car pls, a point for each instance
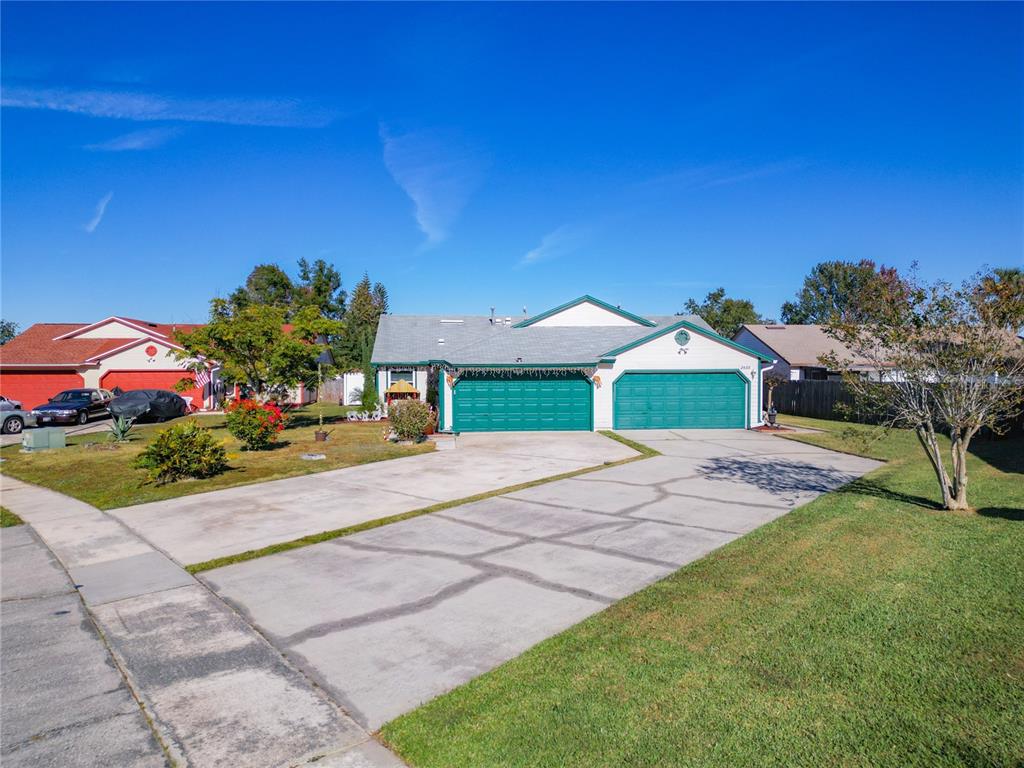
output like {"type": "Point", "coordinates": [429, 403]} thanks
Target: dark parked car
{"type": "Point", "coordinates": [73, 406]}
{"type": "Point", "coordinates": [155, 404]}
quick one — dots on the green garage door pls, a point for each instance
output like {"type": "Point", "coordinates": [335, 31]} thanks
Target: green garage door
{"type": "Point", "coordinates": [486, 403]}
{"type": "Point", "coordinates": [680, 401]}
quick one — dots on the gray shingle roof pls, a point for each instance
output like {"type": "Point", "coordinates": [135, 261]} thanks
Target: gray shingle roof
{"type": "Point", "coordinates": [473, 340]}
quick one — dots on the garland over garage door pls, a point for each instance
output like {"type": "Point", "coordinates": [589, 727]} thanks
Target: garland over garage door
{"type": "Point", "coordinates": [680, 400]}
{"type": "Point", "coordinates": [495, 403]}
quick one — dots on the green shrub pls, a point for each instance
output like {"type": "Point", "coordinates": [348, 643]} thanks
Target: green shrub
{"type": "Point", "coordinates": [183, 450]}
{"type": "Point", "coordinates": [409, 419]}
{"type": "Point", "coordinates": [121, 429]}
{"type": "Point", "coordinates": [254, 424]}
{"type": "Point", "coordinates": [368, 398]}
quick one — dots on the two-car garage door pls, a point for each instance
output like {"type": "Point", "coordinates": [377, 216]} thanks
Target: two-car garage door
{"type": "Point", "coordinates": [679, 400]}
{"type": "Point", "coordinates": [505, 403]}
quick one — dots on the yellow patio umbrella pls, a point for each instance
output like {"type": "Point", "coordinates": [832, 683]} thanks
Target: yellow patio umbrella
{"type": "Point", "coordinates": [402, 388]}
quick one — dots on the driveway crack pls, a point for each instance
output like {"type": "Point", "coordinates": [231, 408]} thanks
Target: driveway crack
{"type": "Point", "coordinates": [394, 612]}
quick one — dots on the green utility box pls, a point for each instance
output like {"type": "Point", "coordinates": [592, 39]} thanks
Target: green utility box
{"type": "Point", "coordinates": [42, 439]}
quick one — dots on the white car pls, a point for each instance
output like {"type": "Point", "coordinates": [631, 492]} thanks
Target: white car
{"type": "Point", "coordinates": [6, 404]}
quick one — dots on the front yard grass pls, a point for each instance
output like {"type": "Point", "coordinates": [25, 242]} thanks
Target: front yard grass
{"type": "Point", "coordinates": [96, 471]}
{"type": "Point", "coordinates": [866, 628]}
{"type": "Point", "coordinates": [8, 519]}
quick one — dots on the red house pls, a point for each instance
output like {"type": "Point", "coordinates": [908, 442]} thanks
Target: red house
{"type": "Point", "coordinates": [115, 352]}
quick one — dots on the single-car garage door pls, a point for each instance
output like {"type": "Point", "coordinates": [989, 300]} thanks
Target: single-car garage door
{"type": "Point", "coordinates": [680, 400]}
{"type": "Point", "coordinates": [486, 403]}
{"type": "Point", "coordinates": [32, 388]}
{"type": "Point", "coordinates": [129, 380]}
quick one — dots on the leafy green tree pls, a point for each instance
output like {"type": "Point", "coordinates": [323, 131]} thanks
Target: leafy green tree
{"type": "Point", "coordinates": [956, 366]}
{"type": "Point", "coordinates": [723, 314]}
{"type": "Point", "coordinates": [835, 291]}
{"type": "Point", "coordinates": [999, 296]}
{"type": "Point", "coordinates": [253, 348]}
{"type": "Point", "coordinates": [267, 284]}
{"type": "Point", "coordinates": [320, 286]}
{"type": "Point", "coordinates": [369, 302]}
{"type": "Point", "coordinates": [8, 330]}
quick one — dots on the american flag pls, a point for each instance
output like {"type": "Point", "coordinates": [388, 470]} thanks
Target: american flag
{"type": "Point", "coordinates": [203, 377]}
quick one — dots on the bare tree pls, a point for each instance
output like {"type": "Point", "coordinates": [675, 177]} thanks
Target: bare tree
{"type": "Point", "coordinates": [772, 381]}
{"type": "Point", "coordinates": [950, 364]}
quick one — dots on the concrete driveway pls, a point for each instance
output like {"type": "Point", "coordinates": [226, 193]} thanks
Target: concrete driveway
{"type": "Point", "coordinates": [389, 618]}
{"type": "Point", "coordinates": [208, 525]}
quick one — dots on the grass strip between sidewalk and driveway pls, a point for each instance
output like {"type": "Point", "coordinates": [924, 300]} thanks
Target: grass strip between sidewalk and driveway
{"type": "Point", "coordinates": [868, 627]}
{"type": "Point", "coordinates": [8, 519]}
{"type": "Point", "coordinates": [316, 538]}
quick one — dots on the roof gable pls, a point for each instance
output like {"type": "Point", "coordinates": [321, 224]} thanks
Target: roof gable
{"type": "Point", "coordinates": [36, 345]}
{"type": "Point", "coordinates": [56, 344]}
{"type": "Point", "coordinates": [680, 325]}
{"type": "Point", "coordinates": [124, 345]}
{"type": "Point", "coordinates": [585, 311]}
{"type": "Point", "coordinates": [112, 328]}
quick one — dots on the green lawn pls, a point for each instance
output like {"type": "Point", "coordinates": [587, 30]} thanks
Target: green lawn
{"type": "Point", "coordinates": [100, 473]}
{"type": "Point", "coordinates": [866, 628]}
{"type": "Point", "coordinates": [8, 519]}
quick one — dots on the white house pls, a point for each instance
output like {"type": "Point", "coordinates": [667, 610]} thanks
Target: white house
{"type": "Point", "coordinates": [584, 365]}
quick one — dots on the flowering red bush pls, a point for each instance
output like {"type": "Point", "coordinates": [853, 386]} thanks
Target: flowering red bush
{"type": "Point", "coordinates": [255, 424]}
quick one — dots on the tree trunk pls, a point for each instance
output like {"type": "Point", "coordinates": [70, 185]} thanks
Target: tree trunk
{"type": "Point", "coordinates": [929, 441]}
{"type": "Point", "coordinates": [960, 439]}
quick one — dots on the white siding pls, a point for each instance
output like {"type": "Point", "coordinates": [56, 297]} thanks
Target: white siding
{"type": "Point", "coordinates": [585, 314]}
{"type": "Point", "coordinates": [136, 359]}
{"type": "Point", "coordinates": [445, 396]}
{"type": "Point", "coordinates": [420, 377]}
{"type": "Point", "coordinates": [351, 381]}
{"type": "Point", "coordinates": [663, 354]}
{"type": "Point", "coordinates": [114, 330]}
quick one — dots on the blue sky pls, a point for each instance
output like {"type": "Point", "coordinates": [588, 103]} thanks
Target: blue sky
{"type": "Point", "coordinates": [505, 155]}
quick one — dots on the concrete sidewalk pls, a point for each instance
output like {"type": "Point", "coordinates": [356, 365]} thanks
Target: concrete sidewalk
{"type": "Point", "coordinates": [217, 692]}
{"type": "Point", "coordinates": [64, 701]}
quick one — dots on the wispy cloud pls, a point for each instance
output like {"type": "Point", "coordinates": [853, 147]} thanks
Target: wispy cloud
{"type": "Point", "coordinates": [553, 245]}
{"type": "Point", "coordinates": [437, 173]}
{"type": "Point", "coordinates": [125, 105]}
{"type": "Point", "coordinates": [136, 140]}
{"type": "Point", "coordinates": [721, 174]}
{"type": "Point", "coordinates": [101, 208]}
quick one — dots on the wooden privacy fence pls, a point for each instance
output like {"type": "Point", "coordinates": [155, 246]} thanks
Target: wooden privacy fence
{"type": "Point", "coordinates": [333, 391]}
{"type": "Point", "coordinates": [818, 400]}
